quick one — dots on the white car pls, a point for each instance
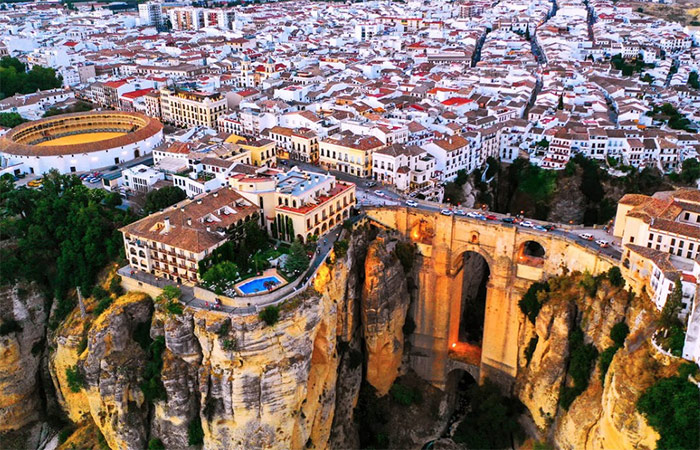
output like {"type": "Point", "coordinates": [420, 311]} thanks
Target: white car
{"type": "Point", "coordinates": [379, 193]}
{"type": "Point", "coordinates": [411, 203]}
{"type": "Point", "coordinates": [460, 212]}
{"type": "Point", "coordinates": [602, 243]}
{"type": "Point", "coordinates": [527, 224]}
{"type": "Point", "coordinates": [473, 214]}
{"type": "Point", "coordinates": [446, 212]}
{"type": "Point", "coordinates": [586, 236]}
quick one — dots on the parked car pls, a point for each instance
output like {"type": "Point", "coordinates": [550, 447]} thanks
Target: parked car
{"type": "Point", "coordinates": [473, 214]}
{"type": "Point", "coordinates": [508, 220]}
{"type": "Point", "coordinates": [460, 212]}
{"type": "Point", "coordinates": [36, 183]}
{"type": "Point", "coordinates": [446, 212]}
{"type": "Point", "coordinates": [380, 193]}
{"type": "Point", "coordinates": [586, 236]}
{"type": "Point", "coordinates": [527, 224]}
{"type": "Point", "coordinates": [549, 227]}
{"type": "Point", "coordinates": [602, 243]}
{"type": "Point", "coordinates": [411, 203]}
{"type": "Point", "coordinates": [539, 228]}
{"type": "Point", "coordinates": [491, 217]}
{"type": "Point", "coordinates": [370, 184]}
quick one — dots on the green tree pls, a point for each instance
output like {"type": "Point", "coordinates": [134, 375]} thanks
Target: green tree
{"type": "Point", "coordinates": [690, 171]}
{"type": "Point", "coordinates": [671, 408]}
{"type": "Point", "coordinates": [615, 277]}
{"type": "Point", "coordinates": [220, 275]}
{"type": "Point", "coordinates": [492, 420]}
{"type": "Point", "coordinates": [11, 120]}
{"type": "Point", "coordinates": [270, 315]}
{"type": "Point", "coordinates": [155, 443]}
{"type": "Point", "coordinates": [74, 378]}
{"type": "Point", "coordinates": [560, 103]}
{"type": "Point", "coordinates": [15, 79]}
{"type": "Point", "coordinates": [453, 194]}
{"type": "Point", "coordinates": [693, 80]}
{"type": "Point", "coordinates": [461, 178]}
{"type": "Point", "coordinates": [297, 259]}
{"type": "Point", "coordinates": [195, 433]}
{"type": "Point", "coordinates": [647, 78]}
{"type": "Point", "coordinates": [162, 198]}
{"type": "Point", "coordinates": [673, 305]}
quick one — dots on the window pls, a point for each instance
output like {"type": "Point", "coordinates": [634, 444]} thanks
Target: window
{"type": "Point", "coordinates": [687, 216]}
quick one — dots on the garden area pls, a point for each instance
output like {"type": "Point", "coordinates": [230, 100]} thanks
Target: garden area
{"type": "Point", "coordinates": [250, 254]}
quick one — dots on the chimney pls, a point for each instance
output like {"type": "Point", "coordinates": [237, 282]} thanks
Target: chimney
{"type": "Point", "coordinates": [216, 194]}
{"type": "Point", "coordinates": [167, 224]}
{"type": "Point", "coordinates": [199, 202]}
{"type": "Point", "coordinates": [208, 228]}
{"type": "Point", "coordinates": [189, 221]}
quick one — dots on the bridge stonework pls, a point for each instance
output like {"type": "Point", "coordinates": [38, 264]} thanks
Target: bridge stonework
{"type": "Point", "coordinates": [442, 242]}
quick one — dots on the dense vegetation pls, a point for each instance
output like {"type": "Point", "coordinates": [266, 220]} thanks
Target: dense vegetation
{"type": "Point", "coordinates": [243, 252]}
{"type": "Point", "coordinates": [668, 114]}
{"type": "Point", "coordinates": [195, 433]}
{"type": "Point", "coordinates": [11, 119]}
{"type": "Point", "coordinates": [618, 334]}
{"type": "Point", "coordinates": [629, 67]}
{"type": "Point", "coordinates": [14, 78]}
{"type": "Point", "coordinates": [492, 420]}
{"type": "Point", "coordinates": [524, 187]}
{"type": "Point", "coordinates": [270, 315]}
{"type": "Point", "coordinates": [671, 408]}
{"type": "Point", "coordinates": [62, 234]}
{"type": "Point", "coordinates": [76, 107]}
{"type": "Point", "coordinates": [533, 299]}
{"type": "Point", "coordinates": [582, 357]}
{"type": "Point", "coordinates": [671, 334]}
{"type": "Point", "coordinates": [162, 198]}
{"type": "Point", "coordinates": [152, 385]}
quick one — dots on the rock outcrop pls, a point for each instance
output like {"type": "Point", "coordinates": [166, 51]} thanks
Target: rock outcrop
{"type": "Point", "coordinates": [385, 301]}
{"type": "Point", "coordinates": [23, 315]}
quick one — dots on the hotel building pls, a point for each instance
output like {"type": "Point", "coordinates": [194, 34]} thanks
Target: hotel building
{"type": "Point", "coordinates": [297, 204]}
{"type": "Point", "coordinates": [349, 153]}
{"type": "Point", "coordinates": [171, 243]}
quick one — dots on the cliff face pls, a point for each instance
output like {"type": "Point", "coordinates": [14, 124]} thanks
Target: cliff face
{"type": "Point", "coordinates": [604, 415]}
{"type": "Point", "coordinates": [20, 356]}
{"type": "Point", "coordinates": [385, 301]}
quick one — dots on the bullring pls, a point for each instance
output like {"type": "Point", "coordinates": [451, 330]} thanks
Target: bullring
{"type": "Point", "coordinates": [80, 142]}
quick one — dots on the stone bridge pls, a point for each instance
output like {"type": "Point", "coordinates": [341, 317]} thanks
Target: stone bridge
{"type": "Point", "coordinates": [442, 242]}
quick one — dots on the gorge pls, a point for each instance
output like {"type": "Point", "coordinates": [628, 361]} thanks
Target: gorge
{"type": "Point", "coordinates": [373, 354]}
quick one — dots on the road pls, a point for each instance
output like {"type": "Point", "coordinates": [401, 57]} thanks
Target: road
{"type": "Point", "coordinates": [368, 197]}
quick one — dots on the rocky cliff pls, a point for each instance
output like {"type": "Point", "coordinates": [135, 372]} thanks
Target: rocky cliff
{"type": "Point", "coordinates": [141, 371]}
{"type": "Point", "coordinates": [22, 321]}
{"type": "Point", "coordinates": [603, 416]}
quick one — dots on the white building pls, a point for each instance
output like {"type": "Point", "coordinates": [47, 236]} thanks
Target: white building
{"type": "Point", "coordinates": [141, 178]}
{"type": "Point", "coordinates": [151, 14]}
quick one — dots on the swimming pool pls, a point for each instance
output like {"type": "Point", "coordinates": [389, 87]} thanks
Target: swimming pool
{"type": "Point", "coordinates": [258, 285]}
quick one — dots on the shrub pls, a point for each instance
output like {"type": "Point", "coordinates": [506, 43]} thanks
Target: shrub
{"type": "Point", "coordinates": [581, 358]}
{"type": "Point", "coordinates": [99, 292]}
{"type": "Point", "coordinates": [671, 408]}
{"type": "Point", "coordinates": [229, 345]}
{"type": "Point", "coordinates": [195, 433]}
{"type": "Point", "coordinates": [604, 361]}
{"type": "Point", "coordinates": [341, 248]}
{"type": "Point", "coordinates": [531, 346]}
{"type": "Point", "coordinates": [405, 395]}
{"type": "Point", "coordinates": [589, 283]}
{"type": "Point", "coordinates": [64, 434]}
{"type": "Point", "coordinates": [171, 293]}
{"type": "Point", "coordinates": [224, 329]}
{"type": "Point", "coordinates": [270, 315]}
{"type": "Point", "coordinates": [102, 305]}
{"type": "Point", "coordinates": [75, 379]}
{"type": "Point", "coordinates": [531, 303]}
{"type": "Point", "coordinates": [82, 345]}
{"type": "Point", "coordinates": [152, 385]}
{"type": "Point", "coordinates": [619, 332]}
{"type": "Point", "coordinates": [615, 277]}
{"type": "Point", "coordinates": [10, 326]}
{"type": "Point", "coordinates": [492, 420]}
{"type": "Point", "coordinates": [174, 307]}
{"type": "Point", "coordinates": [155, 444]}
{"type": "Point", "coordinates": [115, 286]}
